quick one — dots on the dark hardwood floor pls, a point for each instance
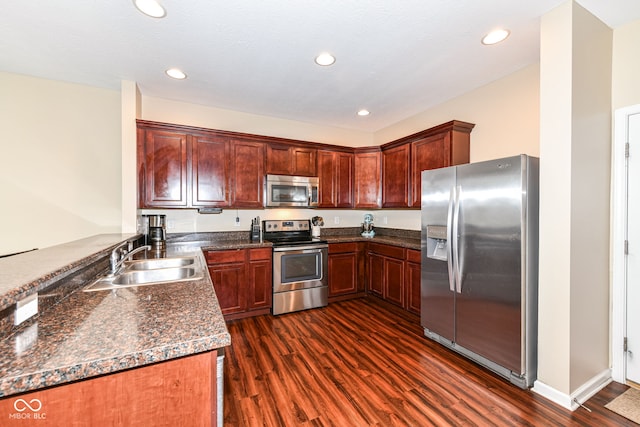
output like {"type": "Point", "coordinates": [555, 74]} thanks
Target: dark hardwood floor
{"type": "Point", "coordinates": [364, 363]}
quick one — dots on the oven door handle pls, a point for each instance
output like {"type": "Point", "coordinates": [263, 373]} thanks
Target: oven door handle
{"type": "Point", "coordinates": [300, 249]}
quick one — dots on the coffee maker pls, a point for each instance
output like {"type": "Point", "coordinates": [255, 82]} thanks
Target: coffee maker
{"type": "Point", "coordinates": [156, 231]}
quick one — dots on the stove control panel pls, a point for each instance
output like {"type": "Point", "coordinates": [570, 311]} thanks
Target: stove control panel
{"type": "Point", "coordinates": [287, 225]}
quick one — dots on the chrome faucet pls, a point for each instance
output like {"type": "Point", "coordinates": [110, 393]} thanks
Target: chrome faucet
{"type": "Point", "coordinates": [117, 259]}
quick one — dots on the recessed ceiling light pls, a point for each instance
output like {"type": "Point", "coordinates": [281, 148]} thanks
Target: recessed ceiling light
{"type": "Point", "coordinates": [495, 36]}
{"type": "Point", "coordinates": [176, 73]}
{"type": "Point", "coordinates": [363, 113]}
{"type": "Point", "coordinates": [150, 8]}
{"type": "Point", "coordinates": [325, 59]}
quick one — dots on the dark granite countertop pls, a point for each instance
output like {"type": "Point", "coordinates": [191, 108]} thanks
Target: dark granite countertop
{"type": "Point", "coordinates": [86, 334]}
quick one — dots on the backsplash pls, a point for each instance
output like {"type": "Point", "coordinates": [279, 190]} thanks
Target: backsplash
{"type": "Point", "coordinates": [190, 221]}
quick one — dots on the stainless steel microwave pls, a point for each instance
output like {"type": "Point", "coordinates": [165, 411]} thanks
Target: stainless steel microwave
{"type": "Point", "coordinates": [283, 191]}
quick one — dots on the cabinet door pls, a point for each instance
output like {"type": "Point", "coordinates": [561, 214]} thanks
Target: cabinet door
{"type": "Point", "coordinates": [327, 179]}
{"type": "Point", "coordinates": [428, 153]}
{"type": "Point", "coordinates": [394, 281]}
{"type": "Point", "coordinates": [303, 161]}
{"type": "Point", "coordinates": [260, 288]}
{"type": "Point", "coordinates": [412, 281]}
{"type": "Point", "coordinates": [395, 177]}
{"type": "Point", "coordinates": [343, 273]}
{"type": "Point", "coordinates": [335, 177]}
{"type": "Point", "coordinates": [376, 275]}
{"type": "Point", "coordinates": [165, 162]}
{"type": "Point", "coordinates": [344, 188]}
{"type": "Point", "coordinates": [210, 168]}
{"type": "Point", "coordinates": [367, 182]}
{"type": "Point", "coordinates": [228, 274]}
{"type": "Point", "coordinates": [278, 160]}
{"type": "Point", "coordinates": [247, 174]}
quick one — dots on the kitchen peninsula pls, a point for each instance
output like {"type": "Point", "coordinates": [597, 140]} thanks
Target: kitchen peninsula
{"type": "Point", "coordinates": [145, 353]}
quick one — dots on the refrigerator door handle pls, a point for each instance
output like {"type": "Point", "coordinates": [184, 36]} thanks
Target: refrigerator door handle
{"type": "Point", "coordinates": [452, 196]}
{"type": "Point", "coordinates": [454, 239]}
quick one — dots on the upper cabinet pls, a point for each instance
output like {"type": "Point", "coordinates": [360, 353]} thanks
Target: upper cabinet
{"type": "Point", "coordinates": [210, 171]}
{"type": "Point", "coordinates": [404, 160]}
{"type": "Point", "coordinates": [335, 177]}
{"type": "Point", "coordinates": [396, 176]}
{"type": "Point", "coordinates": [247, 173]}
{"type": "Point", "coordinates": [291, 160]}
{"type": "Point", "coordinates": [438, 147]}
{"type": "Point", "coordinates": [162, 167]}
{"type": "Point", "coordinates": [189, 167]}
{"type": "Point", "coordinates": [367, 191]}
{"type": "Point", "coordinates": [182, 167]}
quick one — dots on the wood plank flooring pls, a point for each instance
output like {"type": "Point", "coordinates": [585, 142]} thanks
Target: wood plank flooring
{"type": "Point", "coordinates": [364, 363]}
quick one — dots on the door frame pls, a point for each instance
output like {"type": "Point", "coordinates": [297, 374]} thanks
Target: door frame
{"type": "Point", "coordinates": [618, 235]}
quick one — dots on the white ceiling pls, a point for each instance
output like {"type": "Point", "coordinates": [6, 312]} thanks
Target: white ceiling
{"type": "Point", "coordinates": [394, 57]}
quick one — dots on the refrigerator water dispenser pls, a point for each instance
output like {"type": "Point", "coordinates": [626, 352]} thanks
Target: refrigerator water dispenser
{"type": "Point", "coordinates": [437, 242]}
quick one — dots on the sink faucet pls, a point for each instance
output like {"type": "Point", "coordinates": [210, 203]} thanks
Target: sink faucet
{"type": "Point", "coordinates": [117, 261]}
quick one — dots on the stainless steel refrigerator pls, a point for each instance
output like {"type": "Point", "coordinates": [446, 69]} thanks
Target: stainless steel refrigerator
{"type": "Point", "coordinates": [479, 283]}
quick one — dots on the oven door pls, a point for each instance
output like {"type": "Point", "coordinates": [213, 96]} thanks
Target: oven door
{"type": "Point", "coordinates": [299, 267]}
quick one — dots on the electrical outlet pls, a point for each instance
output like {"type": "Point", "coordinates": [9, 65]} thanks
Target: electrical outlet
{"type": "Point", "coordinates": [237, 223]}
{"type": "Point", "coordinates": [336, 220]}
{"type": "Point", "coordinates": [26, 308]}
{"type": "Point", "coordinates": [384, 220]}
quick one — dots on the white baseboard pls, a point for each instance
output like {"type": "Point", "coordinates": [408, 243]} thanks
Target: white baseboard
{"type": "Point", "coordinates": [581, 395]}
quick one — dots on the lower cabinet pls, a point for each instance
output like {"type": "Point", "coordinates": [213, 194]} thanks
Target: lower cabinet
{"type": "Point", "coordinates": [345, 271]}
{"type": "Point", "coordinates": [242, 279]}
{"type": "Point", "coordinates": [177, 392]}
{"type": "Point", "coordinates": [393, 274]}
{"type": "Point", "coordinates": [412, 281]}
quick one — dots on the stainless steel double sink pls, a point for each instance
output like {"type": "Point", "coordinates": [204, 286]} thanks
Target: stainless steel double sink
{"type": "Point", "coordinates": [145, 272]}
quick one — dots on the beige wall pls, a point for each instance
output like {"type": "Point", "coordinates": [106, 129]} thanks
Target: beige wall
{"type": "Point", "coordinates": [60, 162]}
{"type": "Point", "coordinates": [506, 114]}
{"type": "Point", "coordinates": [626, 65]}
{"type": "Point", "coordinates": [164, 110]}
{"type": "Point", "coordinates": [575, 151]}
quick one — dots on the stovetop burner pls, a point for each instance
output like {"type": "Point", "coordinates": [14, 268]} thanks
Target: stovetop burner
{"type": "Point", "coordinates": [289, 232]}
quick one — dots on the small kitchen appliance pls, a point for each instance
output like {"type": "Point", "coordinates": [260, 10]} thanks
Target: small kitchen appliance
{"type": "Point", "coordinates": [157, 235]}
{"type": "Point", "coordinates": [367, 226]}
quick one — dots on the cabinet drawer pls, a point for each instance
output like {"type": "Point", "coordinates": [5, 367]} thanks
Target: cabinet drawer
{"type": "Point", "coordinates": [337, 248]}
{"type": "Point", "coordinates": [258, 254]}
{"type": "Point", "coordinates": [387, 250]}
{"type": "Point", "coordinates": [218, 257]}
{"type": "Point", "coordinates": [413, 256]}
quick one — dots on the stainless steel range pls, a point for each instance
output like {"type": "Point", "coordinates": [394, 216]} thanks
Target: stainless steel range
{"type": "Point", "coordinates": [299, 265]}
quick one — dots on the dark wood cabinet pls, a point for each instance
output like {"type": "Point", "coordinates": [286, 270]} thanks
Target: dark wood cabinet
{"type": "Point", "coordinates": [291, 160]}
{"type": "Point", "coordinates": [386, 272]}
{"type": "Point", "coordinates": [162, 164]}
{"type": "Point", "coordinates": [335, 176]}
{"type": "Point", "coordinates": [412, 281]}
{"type": "Point", "coordinates": [247, 174]}
{"type": "Point", "coordinates": [210, 171]}
{"type": "Point", "coordinates": [260, 279]}
{"type": "Point", "coordinates": [375, 274]}
{"type": "Point", "coordinates": [367, 178]}
{"type": "Point", "coordinates": [345, 271]}
{"type": "Point", "coordinates": [438, 147]}
{"type": "Point", "coordinates": [228, 274]}
{"type": "Point", "coordinates": [242, 279]}
{"type": "Point", "coordinates": [396, 176]}
{"type": "Point", "coordinates": [175, 392]}
{"type": "Point", "coordinates": [189, 167]}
